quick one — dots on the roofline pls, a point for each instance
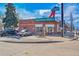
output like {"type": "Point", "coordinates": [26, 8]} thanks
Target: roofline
{"type": "Point", "coordinates": [39, 21]}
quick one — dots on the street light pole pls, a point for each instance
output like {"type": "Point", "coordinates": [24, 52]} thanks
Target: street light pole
{"type": "Point", "coordinates": [62, 19]}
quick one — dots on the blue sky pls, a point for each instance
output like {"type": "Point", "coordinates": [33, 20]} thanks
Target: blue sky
{"type": "Point", "coordinates": [36, 6]}
{"type": "Point", "coordinates": [32, 6]}
{"type": "Point", "coordinates": [40, 10]}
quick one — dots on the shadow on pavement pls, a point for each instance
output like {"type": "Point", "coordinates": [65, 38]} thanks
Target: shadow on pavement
{"type": "Point", "coordinates": [74, 40]}
{"type": "Point", "coordinates": [39, 42]}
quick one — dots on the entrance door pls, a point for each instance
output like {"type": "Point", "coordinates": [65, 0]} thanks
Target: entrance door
{"type": "Point", "coordinates": [38, 29]}
{"type": "Point", "coordinates": [49, 29]}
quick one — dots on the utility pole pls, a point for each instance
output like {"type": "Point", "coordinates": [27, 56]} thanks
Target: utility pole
{"type": "Point", "coordinates": [62, 19]}
{"type": "Point", "coordinates": [71, 19]}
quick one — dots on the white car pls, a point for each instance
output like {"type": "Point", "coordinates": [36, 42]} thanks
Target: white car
{"type": "Point", "coordinates": [25, 32]}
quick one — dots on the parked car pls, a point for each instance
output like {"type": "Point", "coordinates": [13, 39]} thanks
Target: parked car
{"type": "Point", "coordinates": [1, 32]}
{"type": "Point", "coordinates": [8, 32]}
{"type": "Point", "coordinates": [25, 32]}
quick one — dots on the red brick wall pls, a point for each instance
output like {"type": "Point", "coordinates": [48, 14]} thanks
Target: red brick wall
{"type": "Point", "coordinates": [30, 24]}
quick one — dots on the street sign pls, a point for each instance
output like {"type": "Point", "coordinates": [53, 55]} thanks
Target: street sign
{"type": "Point", "coordinates": [55, 9]}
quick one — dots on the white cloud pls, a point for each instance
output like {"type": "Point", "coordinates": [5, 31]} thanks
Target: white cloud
{"type": "Point", "coordinates": [2, 10]}
{"type": "Point", "coordinates": [68, 10]}
{"type": "Point", "coordinates": [41, 12]}
{"type": "Point", "coordinates": [24, 14]}
{"type": "Point", "coordinates": [71, 8]}
{"type": "Point", "coordinates": [76, 18]}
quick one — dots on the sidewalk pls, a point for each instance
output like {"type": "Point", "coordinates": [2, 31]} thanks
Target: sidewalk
{"type": "Point", "coordinates": [24, 39]}
{"type": "Point", "coordinates": [33, 39]}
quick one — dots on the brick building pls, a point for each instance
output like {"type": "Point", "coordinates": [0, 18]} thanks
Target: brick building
{"type": "Point", "coordinates": [39, 24]}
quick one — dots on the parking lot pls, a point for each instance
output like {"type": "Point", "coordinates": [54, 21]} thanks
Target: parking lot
{"type": "Point", "coordinates": [36, 46]}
